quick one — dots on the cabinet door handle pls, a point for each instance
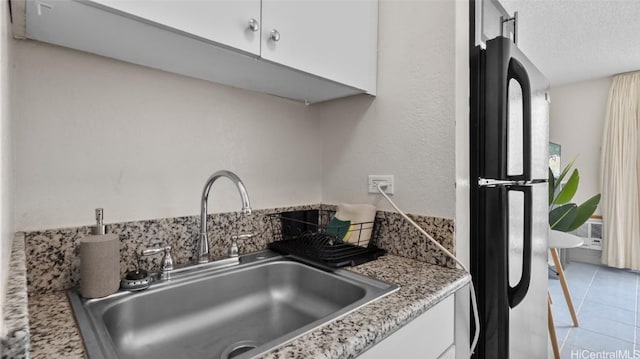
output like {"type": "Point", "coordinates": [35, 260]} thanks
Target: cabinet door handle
{"type": "Point", "coordinates": [254, 25]}
{"type": "Point", "coordinates": [274, 35]}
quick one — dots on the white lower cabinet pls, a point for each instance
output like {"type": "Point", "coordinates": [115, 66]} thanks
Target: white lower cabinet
{"type": "Point", "coordinates": [430, 336]}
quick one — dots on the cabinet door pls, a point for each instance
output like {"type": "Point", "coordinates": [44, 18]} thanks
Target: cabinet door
{"type": "Point", "coordinates": [429, 336]}
{"type": "Point", "coordinates": [225, 22]}
{"type": "Point", "coordinates": [336, 40]}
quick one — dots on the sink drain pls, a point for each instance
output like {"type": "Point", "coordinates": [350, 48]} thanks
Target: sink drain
{"type": "Point", "coordinates": [238, 348]}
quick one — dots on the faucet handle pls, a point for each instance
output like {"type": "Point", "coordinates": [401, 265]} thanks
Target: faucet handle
{"type": "Point", "coordinates": [167, 258]}
{"type": "Point", "coordinates": [233, 250]}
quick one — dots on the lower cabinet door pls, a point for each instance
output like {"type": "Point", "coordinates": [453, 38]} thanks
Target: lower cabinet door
{"type": "Point", "coordinates": [430, 336]}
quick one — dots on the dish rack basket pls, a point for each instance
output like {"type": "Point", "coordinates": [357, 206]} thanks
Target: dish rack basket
{"type": "Point", "coordinates": [312, 235]}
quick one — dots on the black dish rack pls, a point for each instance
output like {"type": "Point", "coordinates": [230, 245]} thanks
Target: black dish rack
{"type": "Point", "coordinates": [311, 235]}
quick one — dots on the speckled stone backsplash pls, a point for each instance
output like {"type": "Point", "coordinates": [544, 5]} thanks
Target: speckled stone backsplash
{"type": "Point", "coordinates": [400, 238]}
{"type": "Point", "coordinates": [53, 262]}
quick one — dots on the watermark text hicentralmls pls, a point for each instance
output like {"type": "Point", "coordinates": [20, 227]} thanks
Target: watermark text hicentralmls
{"type": "Point", "coordinates": [604, 354]}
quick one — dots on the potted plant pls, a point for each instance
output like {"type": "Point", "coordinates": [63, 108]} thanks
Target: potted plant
{"type": "Point", "coordinates": [565, 216]}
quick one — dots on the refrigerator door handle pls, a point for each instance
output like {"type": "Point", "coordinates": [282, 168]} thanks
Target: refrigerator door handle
{"type": "Point", "coordinates": [519, 291]}
{"type": "Point", "coordinates": [518, 72]}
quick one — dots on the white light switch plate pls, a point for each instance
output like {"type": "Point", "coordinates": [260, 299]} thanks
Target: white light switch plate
{"type": "Point", "coordinates": [375, 179]}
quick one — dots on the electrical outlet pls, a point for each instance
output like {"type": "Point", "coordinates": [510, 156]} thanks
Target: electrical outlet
{"type": "Point", "coordinates": [375, 179]}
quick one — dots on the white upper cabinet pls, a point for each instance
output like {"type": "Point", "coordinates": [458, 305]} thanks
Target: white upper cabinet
{"type": "Point", "coordinates": [332, 39]}
{"type": "Point", "coordinates": [306, 50]}
{"type": "Point", "coordinates": [225, 22]}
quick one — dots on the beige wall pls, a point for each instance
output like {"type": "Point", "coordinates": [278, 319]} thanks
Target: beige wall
{"type": "Point", "coordinates": [6, 159]}
{"type": "Point", "coordinates": [94, 132]}
{"type": "Point", "coordinates": [462, 189]}
{"type": "Point", "coordinates": [577, 115]}
{"type": "Point", "coordinates": [408, 130]}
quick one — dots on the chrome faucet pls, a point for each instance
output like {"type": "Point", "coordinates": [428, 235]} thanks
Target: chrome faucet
{"type": "Point", "coordinates": [203, 242]}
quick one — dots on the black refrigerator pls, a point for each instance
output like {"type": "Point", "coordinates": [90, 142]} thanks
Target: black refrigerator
{"type": "Point", "coordinates": [509, 195]}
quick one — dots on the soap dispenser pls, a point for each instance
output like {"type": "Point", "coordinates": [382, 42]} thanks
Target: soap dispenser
{"type": "Point", "coordinates": [99, 261]}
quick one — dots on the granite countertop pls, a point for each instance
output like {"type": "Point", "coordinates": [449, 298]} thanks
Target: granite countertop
{"type": "Point", "coordinates": [54, 333]}
{"type": "Point", "coordinates": [15, 340]}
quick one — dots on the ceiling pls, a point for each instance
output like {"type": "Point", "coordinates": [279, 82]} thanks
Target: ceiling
{"type": "Point", "coordinates": [577, 40]}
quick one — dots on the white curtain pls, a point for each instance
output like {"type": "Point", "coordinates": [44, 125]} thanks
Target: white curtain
{"type": "Point", "coordinates": [620, 174]}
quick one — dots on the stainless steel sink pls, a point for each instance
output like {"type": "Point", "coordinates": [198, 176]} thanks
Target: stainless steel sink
{"type": "Point", "coordinates": [234, 311]}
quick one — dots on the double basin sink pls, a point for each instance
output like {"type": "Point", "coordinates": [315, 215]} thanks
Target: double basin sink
{"type": "Point", "coordinates": [229, 309]}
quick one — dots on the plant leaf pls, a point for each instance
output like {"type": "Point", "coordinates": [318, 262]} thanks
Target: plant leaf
{"type": "Point", "coordinates": [584, 211]}
{"type": "Point", "coordinates": [565, 170]}
{"type": "Point", "coordinates": [562, 217]}
{"type": "Point", "coordinates": [569, 189]}
{"type": "Point", "coordinates": [552, 186]}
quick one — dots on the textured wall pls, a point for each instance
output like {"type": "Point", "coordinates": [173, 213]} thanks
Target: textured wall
{"type": "Point", "coordinates": [580, 108]}
{"type": "Point", "coordinates": [6, 159]}
{"type": "Point", "coordinates": [409, 129]}
{"type": "Point", "coordinates": [94, 132]}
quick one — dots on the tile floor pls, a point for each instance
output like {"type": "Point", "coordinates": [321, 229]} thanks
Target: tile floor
{"type": "Point", "coordinates": [606, 300]}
